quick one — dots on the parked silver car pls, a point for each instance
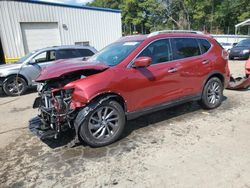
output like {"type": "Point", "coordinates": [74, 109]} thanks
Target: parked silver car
{"type": "Point", "coordinates": [15, 78]}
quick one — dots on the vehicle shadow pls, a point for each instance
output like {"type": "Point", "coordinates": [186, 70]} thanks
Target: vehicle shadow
{"type": "Point", "coordinates": [133, 125]}
{"type": "Point", "coordinates": [160, 116]}
{"type": "Point", "coordinates": [61, 140]}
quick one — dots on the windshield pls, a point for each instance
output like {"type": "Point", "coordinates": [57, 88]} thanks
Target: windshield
{"type": "Point", "coordinates": [114, 53]}
{"type": "Point", "coordinates": [25, 57]}
{"type": "Point", "coordinates": [244, 43]}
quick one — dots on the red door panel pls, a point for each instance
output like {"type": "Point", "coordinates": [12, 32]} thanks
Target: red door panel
{"type": "Point", "coordinates": [152, 85]}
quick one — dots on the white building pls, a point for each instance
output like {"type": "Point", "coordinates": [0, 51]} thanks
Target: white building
{"type": "Point", "coordinates": [29, 25]}
{"type": "Point", "coordinates": [230, 38]}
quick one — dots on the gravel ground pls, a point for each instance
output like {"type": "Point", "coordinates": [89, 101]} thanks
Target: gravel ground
{"type": "Point", "coordinates": [184, 146]}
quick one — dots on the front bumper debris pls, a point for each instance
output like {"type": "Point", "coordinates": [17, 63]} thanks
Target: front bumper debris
{"type": "Point", "coordinates": [37, 127]}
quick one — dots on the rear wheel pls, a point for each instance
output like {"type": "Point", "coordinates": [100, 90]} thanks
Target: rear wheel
{"type": "Point", "coordinates": [103, 125]}
{"type": "Point", "coordinates": [212, 94]}
{"type": "Point", "coordinates": [14, 86]}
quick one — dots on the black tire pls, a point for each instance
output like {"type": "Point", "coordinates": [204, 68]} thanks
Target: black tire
{"type": "Point", "coordinates": [10, 87]}
{"type": "Point", "coordinates": [212, 97]}
{"type": "Point", "coordinates": [231, 58]}
{"type": "Point", "coordinates": [90, 121]}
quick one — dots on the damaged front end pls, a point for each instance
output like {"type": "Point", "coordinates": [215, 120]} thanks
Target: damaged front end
{"type": "Point", "coordinates": [56, 105]}
{"type": "Point", "coordinates": [55, 114]}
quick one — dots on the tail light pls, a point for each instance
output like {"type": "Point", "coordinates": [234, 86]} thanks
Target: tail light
{"type": "Point", "coordinates": [224, 54]}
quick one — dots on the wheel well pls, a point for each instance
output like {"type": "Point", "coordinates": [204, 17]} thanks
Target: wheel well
{"type": "Point", "coordinates": [218, 75]}
{"type": "Point", "coordinates": [118, 98]}
{"type": "Point", "coordinates": [19, 75]}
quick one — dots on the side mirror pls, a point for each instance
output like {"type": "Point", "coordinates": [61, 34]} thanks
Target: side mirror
{"type": "Point", "coordinates": [142, 61]}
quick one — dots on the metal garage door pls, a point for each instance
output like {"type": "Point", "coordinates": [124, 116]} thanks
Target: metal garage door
{"type": "Point", "coordinates": [40, 35]}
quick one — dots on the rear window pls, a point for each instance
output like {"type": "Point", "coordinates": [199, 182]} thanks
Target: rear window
{"type": "Point", "coordinates": [184, 47]}
{"type": "Point", "coordinates": [85, 52]}
{"type": "Point", "coordinates": [67, 53]}
{"type": "Point", "coordinates": [205, 45]}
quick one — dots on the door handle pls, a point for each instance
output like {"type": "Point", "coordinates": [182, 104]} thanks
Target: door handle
{"type": "Point", "coordinates": [172, 70]}
{"type": "Point", "coordinates": [205, 62]}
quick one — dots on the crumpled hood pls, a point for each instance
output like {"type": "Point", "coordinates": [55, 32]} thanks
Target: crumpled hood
{"type": "Point", "coordinates": [10, 66]}
{"type": "Point", "coordinates": [62, 67]}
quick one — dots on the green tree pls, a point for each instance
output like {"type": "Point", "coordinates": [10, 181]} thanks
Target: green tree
{"type": "Point", "coordinates": [144, 16]}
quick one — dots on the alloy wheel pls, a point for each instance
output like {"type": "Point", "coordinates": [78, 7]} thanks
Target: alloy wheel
{"type": "Point", "coordinates": [15, 86]}
{"type": "Point", "coordinates": [104, 123]}
{"type": "Point", "coordinates": [214, 92]}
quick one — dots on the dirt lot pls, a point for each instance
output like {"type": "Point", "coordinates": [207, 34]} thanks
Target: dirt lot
{"type": "Point", "coordinates": [183, 146]}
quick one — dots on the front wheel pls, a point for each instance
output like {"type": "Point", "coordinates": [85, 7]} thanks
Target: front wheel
{"type": "Point", "coordinates": [14, 86]}
{"type": "Point", "coordinates": [103, 125]}
{"type": "Point", "coordinates": [212, 94]}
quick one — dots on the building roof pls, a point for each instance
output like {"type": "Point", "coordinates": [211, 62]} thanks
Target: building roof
{"type": "Point", "coordinates": [246, 22]}
{"type": "Point", "coordinates": [70, 5]}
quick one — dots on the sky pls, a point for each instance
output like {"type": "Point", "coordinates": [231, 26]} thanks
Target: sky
{"type": "Point", "coordinates": [75, 2]}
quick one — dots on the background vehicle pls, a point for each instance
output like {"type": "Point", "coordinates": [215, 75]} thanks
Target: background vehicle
{"type": "Point", "coordinates": [17, 77]}
{"type": "Point", "coordinates": [134, 76]}
{"type": "Point", "coordinates": [227, 46]}
{"type": "Point", "coordinates": [241, 50]}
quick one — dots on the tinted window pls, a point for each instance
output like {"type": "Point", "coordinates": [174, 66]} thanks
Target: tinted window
{"type": "Point", "coordinates": [159, 51]}
{"type": "Point", "coordinates": [184, 47]}
{"type": "Point", "coordinates": [85, 52]}
{"type": "Point", "coordinates": [52, 55]}
{"type": "Point", "coordinates": [67, 53]}
{"type": "Point", "coordinates": [205, 45]}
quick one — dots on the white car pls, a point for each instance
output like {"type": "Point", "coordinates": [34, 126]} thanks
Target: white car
{"type": "Point", "coordinates": [227, 45]}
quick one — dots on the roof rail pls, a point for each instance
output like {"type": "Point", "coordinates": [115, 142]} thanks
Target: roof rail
{"type": "Point", "coordinates": [174, 31]}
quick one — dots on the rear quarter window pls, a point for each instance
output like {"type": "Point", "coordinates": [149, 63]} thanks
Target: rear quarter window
{"type": "Point", "coordinates": [185, 47]}
{"type": "Point", "coordinates": [85, 52]}
{"type": "Point", "coordinates": [204, 45]}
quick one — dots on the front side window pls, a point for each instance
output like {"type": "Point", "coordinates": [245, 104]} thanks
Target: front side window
{"type": "Point", "coordinates": [42, 57]}
{"type": "Point", "coordinates": [184, 47]}
{"type": "Point", "coordinates": [159, 51]}
{"type": "Point", "coordinates": [114, 53]}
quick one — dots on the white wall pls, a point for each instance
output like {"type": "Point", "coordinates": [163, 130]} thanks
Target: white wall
{"type": "Point", "coordinates": [230, 38]}
{"type": "Point", "coordinates": [99, 27]}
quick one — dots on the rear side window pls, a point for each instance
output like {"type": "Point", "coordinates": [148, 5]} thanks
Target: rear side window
{"type": "Point", "coordinates": [205, 45]}
{"type": "Point", "coordinates": [184, 47]}
{"type": "Point", "coordinates": [85, 52]}
{"type": "Point", "coordinates": [67, 53]}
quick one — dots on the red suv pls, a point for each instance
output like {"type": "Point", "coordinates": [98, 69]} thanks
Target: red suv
{"type": "Point", "coordinates": [134, 76]}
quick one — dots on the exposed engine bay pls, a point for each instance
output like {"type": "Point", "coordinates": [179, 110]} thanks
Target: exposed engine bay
{"type": "Point", "coordinates": [56, 114]}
